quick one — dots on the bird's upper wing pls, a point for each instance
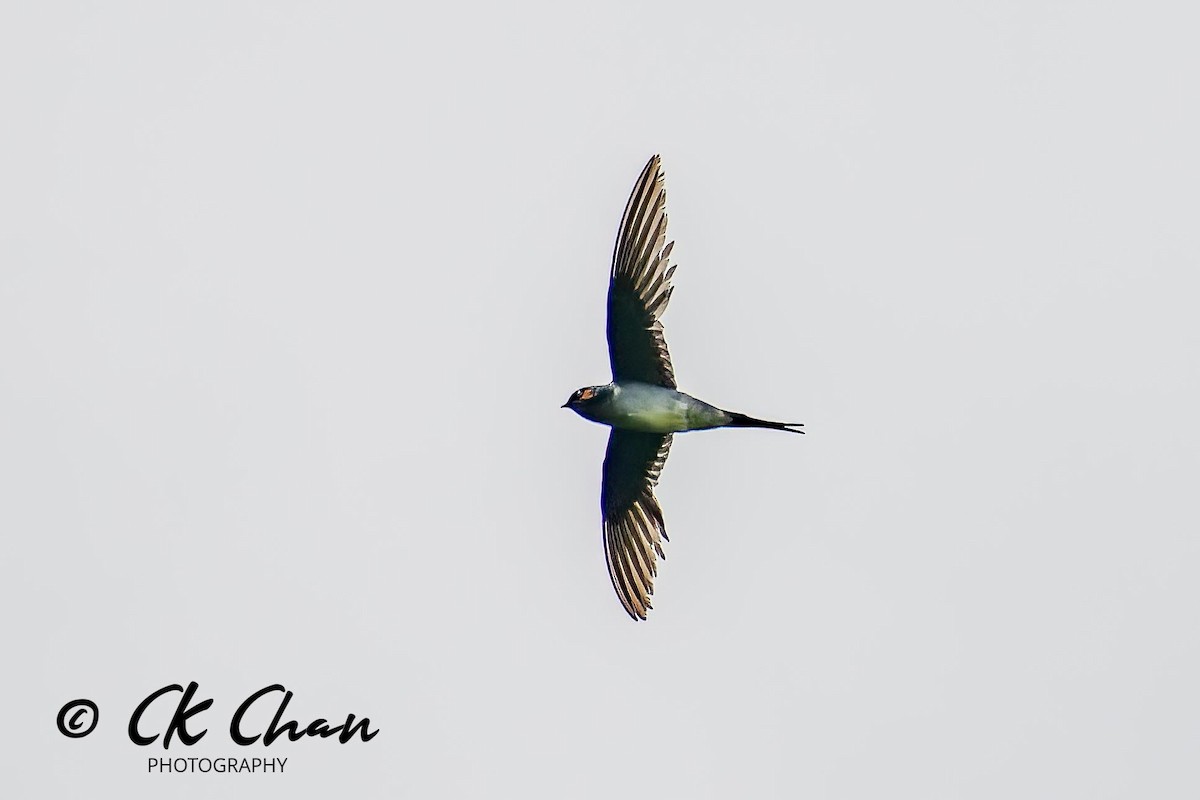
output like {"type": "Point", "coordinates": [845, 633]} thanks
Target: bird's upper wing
{"type": "Point", "coordinates": [640, 285]}
{"type": "Point", "coordinates": [633, 522]}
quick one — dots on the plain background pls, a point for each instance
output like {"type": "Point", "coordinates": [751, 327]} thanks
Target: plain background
{"type": "Point", "coordinates": [291, 293]}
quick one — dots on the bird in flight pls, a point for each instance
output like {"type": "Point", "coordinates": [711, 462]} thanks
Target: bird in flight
{"type": "Point", "coordinates": [642, 405]}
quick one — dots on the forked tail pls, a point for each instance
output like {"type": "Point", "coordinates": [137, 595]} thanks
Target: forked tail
{"type": "Point", "coordinates": [742, 421]}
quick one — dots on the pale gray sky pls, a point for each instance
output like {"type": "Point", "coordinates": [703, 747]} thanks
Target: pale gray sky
{"type": "Point", "coordinates": [290, 295]}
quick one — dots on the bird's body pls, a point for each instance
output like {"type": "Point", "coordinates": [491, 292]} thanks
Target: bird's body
{"type": "Point", "coordinates": [637, 406]}
{"type": "Point", "coordinates": [642, 404]}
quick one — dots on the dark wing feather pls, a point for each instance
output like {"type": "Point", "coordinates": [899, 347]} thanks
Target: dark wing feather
{"type": "Point", "coordinates": [633, 522]}
{"type": "Point", "coordinates": [640, 285]}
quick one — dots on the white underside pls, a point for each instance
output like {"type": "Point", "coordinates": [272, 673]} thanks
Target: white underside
{"type": "Point", "coordinates": [655, 409]}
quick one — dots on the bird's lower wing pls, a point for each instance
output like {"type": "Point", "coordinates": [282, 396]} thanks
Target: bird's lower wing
{"type": "Point", "coordinates": [633, 522]}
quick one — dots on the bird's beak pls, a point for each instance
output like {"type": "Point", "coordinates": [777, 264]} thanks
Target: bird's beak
{"type": "Point", "coordinates": [566, 404]}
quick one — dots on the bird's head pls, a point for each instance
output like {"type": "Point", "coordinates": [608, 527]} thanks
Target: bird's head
{"type": "Point", "coordinates": [586, 398]}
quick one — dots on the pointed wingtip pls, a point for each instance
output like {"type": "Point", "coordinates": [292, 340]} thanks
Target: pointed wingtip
{"type": "Point", "coordinates": [653, 165]}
